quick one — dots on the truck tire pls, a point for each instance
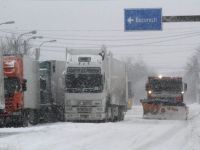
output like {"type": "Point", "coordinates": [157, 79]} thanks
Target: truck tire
{"type": "Point", "coordinates": [121, 114]}
{"type": "Point", "coordinates": [116, 114]}
{"type": "Point", "coordinates": [106, 117]}
{"type": "Point", "coordinates": [24, 120]}
{"type": "Point", "coordinates": [33, 117]}
{"type": "Point", "coordinates": [112, 119]}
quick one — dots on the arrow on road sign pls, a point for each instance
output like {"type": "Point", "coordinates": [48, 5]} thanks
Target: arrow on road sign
{"type": "Point", "coordinates": [130, 20]}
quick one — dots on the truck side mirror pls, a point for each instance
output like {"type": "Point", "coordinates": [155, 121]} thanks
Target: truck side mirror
{"type": "Point", "coordinates": [185, 87]}
{"type": "Point", "coordinates": [24, 88]}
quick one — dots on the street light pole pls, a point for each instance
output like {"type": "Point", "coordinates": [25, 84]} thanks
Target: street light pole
{"type": "Point", "coordinates": [18, 38]}
{"type": "Point", "coordinates": [8, 22]}
{"type": "Point", "coordinates": [26, 41]}
{"type": "Point", "coordinates": [37, 55]}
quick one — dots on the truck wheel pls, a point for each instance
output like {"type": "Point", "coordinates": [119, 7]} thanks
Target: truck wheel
{"type": "Point", "coordinates": [112, 119]}
{"type": "Point", "coordinates": [106, 117]}
{"type": "Point", "coordinates": [32, 117]}
{"type": "Point", "coordinates": [121, 114]}
{"type": "Point", "coordinates": [24, 119]}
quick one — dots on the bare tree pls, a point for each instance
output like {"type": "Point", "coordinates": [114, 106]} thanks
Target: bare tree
{"type": "Point", "coordinates": [192, 78]}
{"type": "Point", "coordinates": [12, 45]}
{"type": "Point", "coordinates": [138, 72]}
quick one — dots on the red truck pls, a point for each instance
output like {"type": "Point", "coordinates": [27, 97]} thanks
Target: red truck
{"type": "Point", "coordinates": [20, 74]}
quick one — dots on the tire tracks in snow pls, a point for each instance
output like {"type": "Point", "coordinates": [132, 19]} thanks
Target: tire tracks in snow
{"type": "Point", "coordinates": [161, 138]}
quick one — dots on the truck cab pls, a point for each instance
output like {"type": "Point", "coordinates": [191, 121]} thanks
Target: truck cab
{"type": "Point", "coordinates": [85, 95]}
{"type": "Point", "coordinates": [14, 84]}
{"type": "Point", "coordinates": [169, 89]}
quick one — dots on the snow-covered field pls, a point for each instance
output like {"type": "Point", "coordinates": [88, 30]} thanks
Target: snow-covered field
{"type": "Point", "coordinates": [134, 133]}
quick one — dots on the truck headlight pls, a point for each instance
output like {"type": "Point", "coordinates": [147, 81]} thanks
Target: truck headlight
{"type": "Point", "coordinates": [99, 108]}
{"type": "Point", "coordinates": [68, 103]}
{"type": "Point", "coordinates": [68, 108]}
{"type": "Point", "coordinates": [97, 102]}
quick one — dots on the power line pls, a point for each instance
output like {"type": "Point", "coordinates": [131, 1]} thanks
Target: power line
{"type": "Point", "coordinates": [101, 30]}
{"type": "Point", "coordinates": [108, 40]}
{"type": "Point", "coordinates": [115, 37]}
{"type": "Point", "coordinates": [180, 36]}
{"type": "Point", "coordinates": [125, 53]}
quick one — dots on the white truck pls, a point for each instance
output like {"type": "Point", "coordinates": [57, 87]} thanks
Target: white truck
{"type": "Point", "coordinates": [95, 86]}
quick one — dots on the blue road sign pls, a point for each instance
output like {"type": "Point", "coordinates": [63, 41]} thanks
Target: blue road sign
{"type": "Point", "coordinates": [143, 19]}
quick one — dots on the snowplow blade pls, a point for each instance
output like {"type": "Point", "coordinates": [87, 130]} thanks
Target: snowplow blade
{"type": "Point", "coordinates": [160, 111]}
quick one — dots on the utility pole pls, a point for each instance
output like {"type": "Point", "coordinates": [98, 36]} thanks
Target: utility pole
{"type": "Point", "coordinates": [27, 41]}
{"type": "Point", "coordinates": [37, 54]}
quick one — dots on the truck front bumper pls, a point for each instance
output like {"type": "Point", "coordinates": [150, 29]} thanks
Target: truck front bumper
{"type": "Point", "coordinates": [84, 116]}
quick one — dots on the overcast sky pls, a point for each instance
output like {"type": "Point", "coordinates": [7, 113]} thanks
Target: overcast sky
{"type": "Point", "coordinates": [91, 23]}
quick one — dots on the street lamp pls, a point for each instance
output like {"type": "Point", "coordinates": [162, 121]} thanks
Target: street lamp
{"type": "Point", "coordinates": [8, 22]}
{"type": "Point", "coordinates": [31, 32]}
{"type": "Point", "coordinates": [38, 49]}
{"type": "Point", "coordinates": [34, 37]}
{"type": "Point", "coordinates": [46, 42]}
{"type": "Point", "coordinates": [26, 41]}
{"type": "Point", "coordinates": [17, 41]}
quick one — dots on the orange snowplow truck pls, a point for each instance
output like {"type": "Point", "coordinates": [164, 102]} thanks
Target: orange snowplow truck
{"type": "Point", "coordinates": [21, 86]}
{"type": "Point", "coordinates": [165, 98]}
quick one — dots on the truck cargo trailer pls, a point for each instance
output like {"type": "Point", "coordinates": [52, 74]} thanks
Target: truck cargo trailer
{"type": "Point", "coordinates": [2, 100]}
{"type": "Point", "coordinates": [51, 91]}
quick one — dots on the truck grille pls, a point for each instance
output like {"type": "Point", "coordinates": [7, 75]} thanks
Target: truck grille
{"type": "Point", "coordinates": [85, 103]}
{"type": "Point", "coordinates": [84, 109]}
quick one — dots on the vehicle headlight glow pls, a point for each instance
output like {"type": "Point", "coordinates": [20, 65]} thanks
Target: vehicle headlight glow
{"type": "Point", "coordinates": [149, 91]}
{"type": "Point", "coordinates": [160, 76]}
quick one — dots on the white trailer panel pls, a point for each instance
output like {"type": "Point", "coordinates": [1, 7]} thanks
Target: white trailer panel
{"type": "Point", "coordinates": [31, 74]}
{"type": "Point", "coordinates": [118, 82]}
{"type": "Point", "coordinates": [2, 100]}
{"type": "Point", "coordinates": [58, 82]}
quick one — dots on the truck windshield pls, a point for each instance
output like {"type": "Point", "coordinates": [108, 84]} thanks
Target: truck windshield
{"type": "Point", "coordinates": [166, 85]}
{"type": "Point", "coordinates": [84, 83]}
{"type": "Point", "coordinates": [11, 85]}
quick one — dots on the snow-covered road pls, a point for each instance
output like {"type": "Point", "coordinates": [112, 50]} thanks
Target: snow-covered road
{"type": "Point", "coordinates": [134, 133]}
